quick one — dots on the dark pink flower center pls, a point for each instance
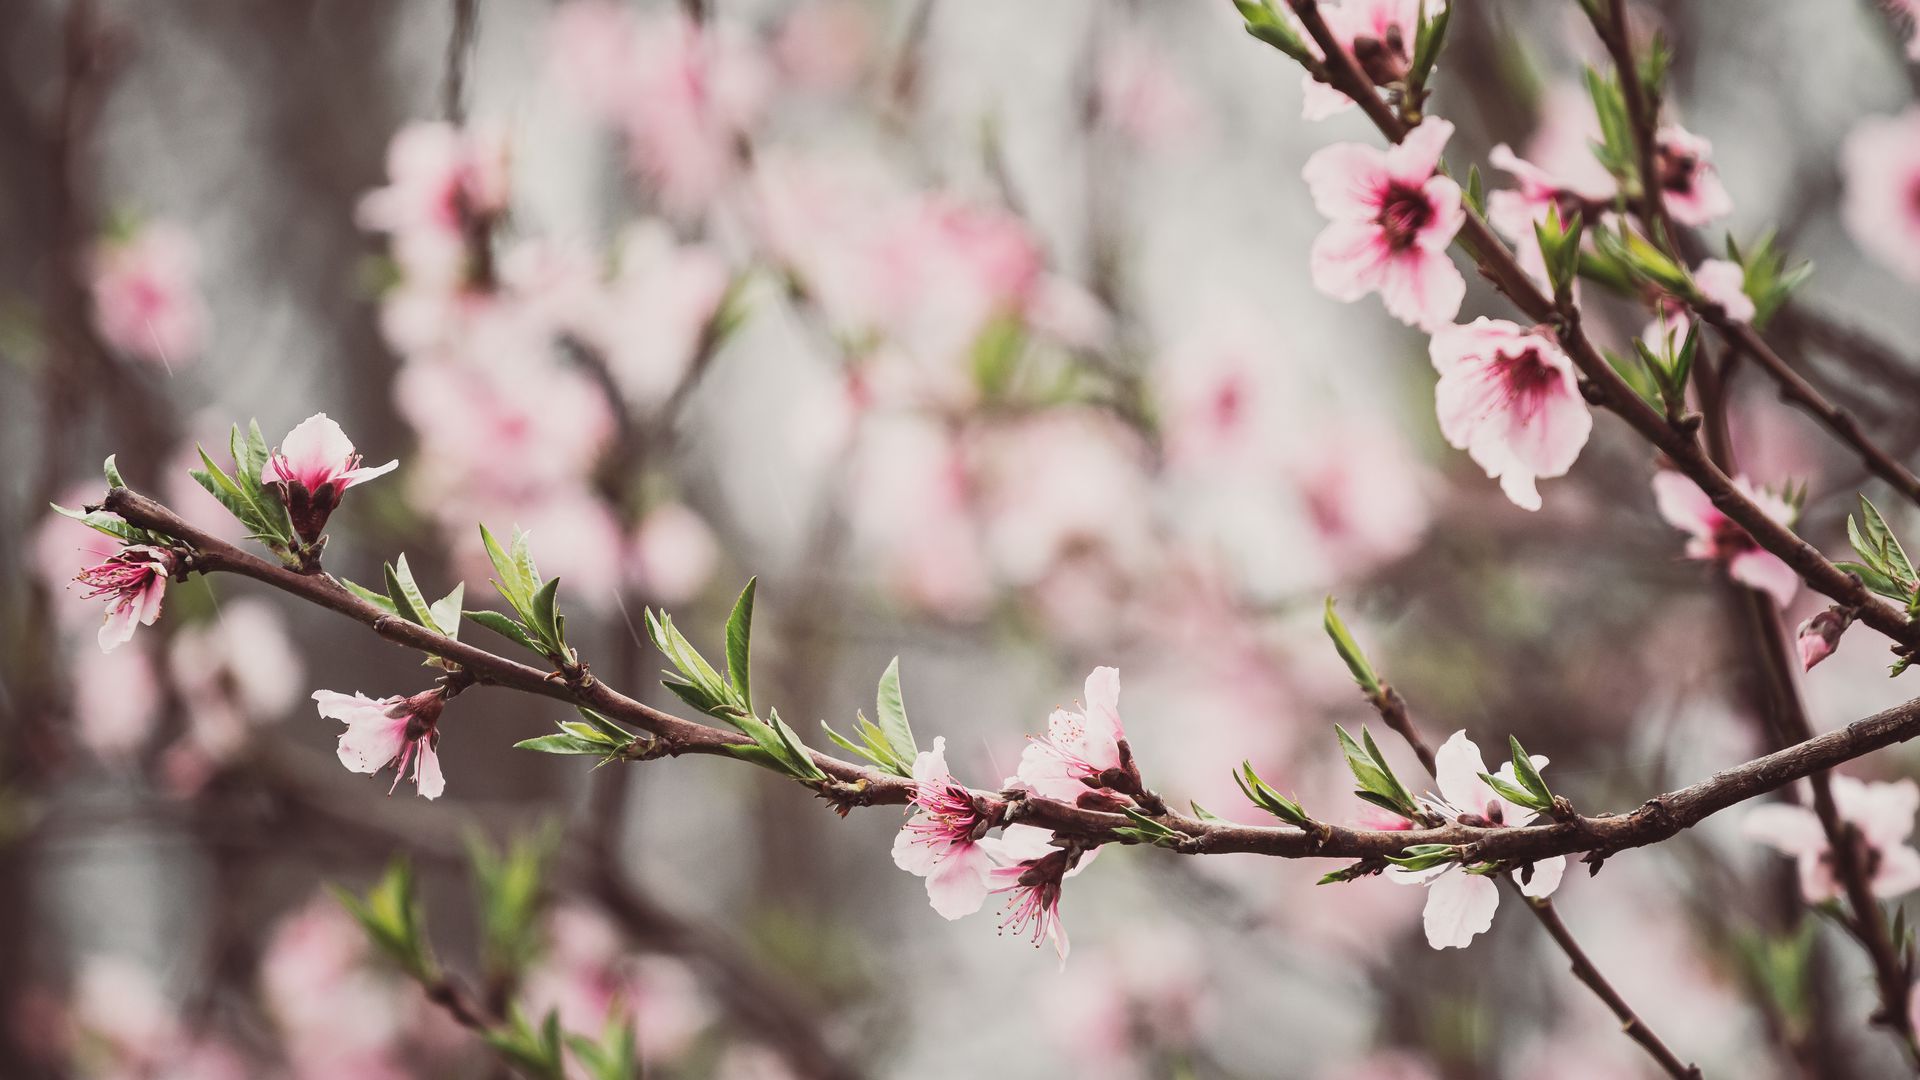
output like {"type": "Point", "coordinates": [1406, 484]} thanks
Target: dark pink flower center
{"type": "Point", "coordinates": [1403, 213]}
{"type": "Point", "coordinates": [947, 814]}
{"type": "Point", "coordinates": [1677, 169]}
{"type": "Point", "coordinates": [1528, 379]}
{"type": "Point", "coordinates": [1383, 58]}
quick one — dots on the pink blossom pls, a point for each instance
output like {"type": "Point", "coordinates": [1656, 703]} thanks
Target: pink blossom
{"type": "Point", "coordinates": [1717, 538]}
{"type": "Point", "coordinates": [1142, 95]}
{"type": "Point", "coordinates": [1392, 219]}
{"type": "Point", "coordinates": [1379, 33]}
{"type": "Point", "coordinates": [1032, 870]}
{"type": "Point", "coordinates": [1365, 493]}
{"type": "Point", "coordinates": [825, 45]}
{"type": "Point", "coordinates": [116, 698]}
{"type": "Point", "coordinates": [674, 554]}
{"type": "Point", "coordinates": [395, 731]}
{"type": "Point", "coordinates": [1689, 183]}
{"type": "Point", "coordinates": [585, 974]}
{"type": "Point", "coordinates": [591, 53]}
{"type": "Point", "coordinates": [311, 468]}
{"type": "Point", "coordinates": [1514, 211]}
{"type": "Point", "coordinates": [238, 670]}
{"type": "Point", "coordinates": [655, 315]}
{"type": "Point", "coordinates": [134, 580]}
{"type": "Point", "coordinates": [696, 90]}
{"type": "Point", "coordinates": [1081, 746]}
{"type": "Point", "coordinates": [941, 842]}
{"type": "Point", "coordinates": [1882, 817]}
{"type": "Point", "coordinates": [502, 433]}
{"type": "Point", "coordinates": [1720, 282]}
{"type": "Point", "coordinates": [1062, 492]}
{"type": "Point", "coordinates": [1460, 904]}
{"type": "Point", "coordinates": [1508, 397]}
{"type": "Point", "coordinates": [145, 300]}
{"type": "Point", "coordinates": [1880, 162]}
{"type": "Point", "coordinates": [336, 1013]}
{"type": "Point", "coordinates": [440, 178]}
{"type": "Point", "coordinates": [916, 516]}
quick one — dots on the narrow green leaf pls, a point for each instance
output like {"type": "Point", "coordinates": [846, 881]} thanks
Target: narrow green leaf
{"type": "Point", "coordinates": [1528, 774]}
{"type": "Point", "coordinates": [445, 611]}
{"type": "Point", "coordinates": [506, 627]}
{"type": "Point", "coordinates": [379, 600]}
{"type": "Point", "coordinates": [102, 522]}
{"type": "Point", "coordinates": [562, 744]}
{"type": "Point", "coordinates": [1349, 651]}
{"type": "Point", "coordinates": [740, 645]}
{"type": "Point", "coordinates": [408, 603]}
{"type": "Point", "coordinates": [890, 707]}
{"type": "Point", "coordinates": [113, 473]}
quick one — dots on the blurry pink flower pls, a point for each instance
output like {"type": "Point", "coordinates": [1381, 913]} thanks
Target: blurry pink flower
{"type": "Point", "coordinates": [145, 301]}
{"type": "Point", "coordinates": [941, 841]}
{"type": "Point", "coordinates": [395, 731]}
{"type": "Point", "coordinates": [674, 554]}
{"type": "Point", "coordinates": [591, 53]}
{"type": "Point", "coordinates": [1142, 95]}
{"type": "Point", "coordinates": [439, 177]}
{"type": "Point", "coordinates": [1460, 904]}
{"type": "Point", "coordinates": [238, 670]}
{"type": "Point", "coordinates": [1716, 538]}
{"type": "Point", "coordinates": [337, 1014]}
{"type": "Point", "coordinates": [1380, 35]}
{"type": "Point", "coordinates": [657, 312]}
{"type": "Point", "coordinates": [134, 580]}
{"type": "Point", "coordinates": [1066, 490]}
{"type": "Point", "coordinates": [1720, 282]}
{"type": "Point", "coordinates": [696, 90]}
{"type": "Point", "coordinates": [311, 468]}
{"type": "Point", "coordinates": [1365, 493]}
{"type": "Point", "coordinates": [1881, 814]}
{"type": "Point", "coordinates": [116, 698]}
{"type": "Point", "coordinates": [1880, 162]}
{"type": "Point", "coordinates": [586, 973]}
{"type": "Point", "coordinates": [1688, 182]}
{"type": "Point", "coordinates": [945, 268]}
{"type": "Point", "coordinates": [1508, 397]}
{"type": "Point", "coordinates": [824, 45]}
{"type": "Point", "coordinates": [1392, 219]}
{"type": "Point", "coordinates": [1079, 746]}
{"type": "Point", "coordinates": [1514, 211]}
{"type": "Point", "coordinates": [120, 1001]}
{"type": "Point", "coordinates": [1033, 870]}
{"type": "Point", "coordinates": [915, 516]}
{"type": "Point", "coordinates": [501, 433]}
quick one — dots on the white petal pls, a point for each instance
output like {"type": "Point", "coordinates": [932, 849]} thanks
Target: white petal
{"type": "Point", "coordinates": [1546, 877]}
{"type": "Point", "coordinates": [1459, 906]}
{"type": "Point", "coordinates": [1456, 771]}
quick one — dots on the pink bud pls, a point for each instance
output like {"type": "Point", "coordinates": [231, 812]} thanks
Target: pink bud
{"type": "Point", "coordinates": [1820, 636]}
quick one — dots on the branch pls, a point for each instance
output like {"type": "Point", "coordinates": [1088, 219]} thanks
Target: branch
{"type": "Point", "coordinates": [1608, 389]}
{"type": "Point", "coordinates": [852, 785]}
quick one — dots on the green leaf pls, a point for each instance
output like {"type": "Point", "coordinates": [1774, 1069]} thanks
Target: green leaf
{"type": "Point", "coordinates": [1377, 783]}
{"type": "Point", "coordinates": [508, 883]}
{"type": "Point", "coordinates": [506, 627]}
{"type": "Point", "coordinates": [1266, 798]}
{"type": "Point", "coordinates": [544, 618]}
{"type": "Point", "coordinates": [391, 916]}
{"type": "Point", "coordinates": [740, 646]}
{"type": "Point", "coordinates": [512, 584]}
{"type": "Point", "coordinates": [379, 600]}
{"type": "Point", "coordinates": [874, 748]}
{"type": "Point", "coordinates": [700, 700]}
{"type": "Point", "coordinates": [891, 709]}
{"type": "Point", "coordinates": [1528, 774]}
{"type": "Point", "coordinates": [535, 1051]}
{"type": "Point", "coordinates": [113, 473]}
{"type": "Point", "coordinates": [103, 522]}
{"type": "Point", "coordinates": [1425, 856]}
{"type": "Point", "coordinates": [1145, 830]}
{"type": "Point", "coordinates": [1514, 795]}
{"type": "Point", "coordinates": [445, 612]}
{"type": "Point", "coordinates": [1893, 556]}
{"type": "Point", "coordinates": [1349, 651]}
{"type": "Point", "coordinates": [562, 743]}
{"type": "Point", "coordinates": [407, 599]}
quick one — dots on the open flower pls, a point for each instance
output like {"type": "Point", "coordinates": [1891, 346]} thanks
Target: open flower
{"type": "Point", "coordinates": [1507, 396]}
{"type": "Point", "coordinates": [1882, 819]}
{"type": "Point", "coordinates": [1689, 183]}
{"type": "Point", "coordinates": [1720, 282]}
{"type": "Point", "coordinates": [1079, 748]}
{"type": "Point", "coordinates": [1033, 871]}
{"type": "Point", "coordinates": [1380, 34]}
{"type": "Point", "coordinates": [1881, 164]}
{"type": "Point", "coordinates": [133, 580]}
{"type": "Point", "coordinates": [400, 731]}
{"type": "Point", "coordinates": [1715, 537]}
{"type": "Point", "coordinates": [1392, 219]}
{"type": "Point", "coordinates": [312, 466]}
{"type": "Point", "coordinates": [942, 842]}
{"type": "Point", "coordinates": [1460, 903]}
{"type": "Point", "coordinates": [146, 303]}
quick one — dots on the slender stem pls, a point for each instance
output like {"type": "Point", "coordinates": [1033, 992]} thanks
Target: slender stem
{"type": "Point", "coordinates": [1393, 709]}
{"type": "Point", "coordinates": [1584, 970]}
{"type": "Point", "coordinates": [854, 785]}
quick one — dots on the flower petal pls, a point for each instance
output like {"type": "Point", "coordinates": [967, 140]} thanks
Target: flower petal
{"type": "Point", "coordinates": [1546, 877]}
{"type": "Point", "coordinates": [1791, 829]}
{"type": "Point", "coordinates": [1459, 907]}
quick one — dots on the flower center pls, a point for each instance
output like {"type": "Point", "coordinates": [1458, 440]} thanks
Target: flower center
{"type": "Point", "coordinates": [1404, 212]}
{"type": "Point", "coordinates": [1676, 169]}
{"type": "Point", "coordinates": [1528, 379]}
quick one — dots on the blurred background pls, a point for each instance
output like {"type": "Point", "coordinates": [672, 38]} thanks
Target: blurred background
{"type": "Point", "coordinates": [982, 333]}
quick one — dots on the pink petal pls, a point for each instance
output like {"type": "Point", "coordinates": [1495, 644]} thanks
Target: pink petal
{"type": "Point", "coordinates": [118, 628]}
{"type": "Point", "coordinates": [148, 603]}
{"type": "Point", "coordinates": [365, 473]}
{"type": "Point", "coordinates": [1764, 571]}
{"type": "Point", "coordinates": [1449, 213]}
{"type": "Point", "coordinates": [314, 449]}
{"type": "Point", "coordinates": [1319, 101]}
{"type": "Point", "coordinates": [930, 766]}
{"type": "Point", "coordinates": [1459, 906]}
{"type": "Point", "coordinates": [1882, 812]}
{"type": "Point", "coordinates": [1421, 287]}
{"type": "Point", "coordinates": [1347, 181]}
{"type": "Point", "coordinates": [1683, 504]}
{"type": "Point", "coordinates": [958, 886]}
{"type": "Point", "coordinates": [1899, 872]}
{"type": "Point", "coordinates": [1348, 260]}
{"type": "Point", "coordinates": [1791, 829]}
{"type": "Point", "coordinates": [1103, 716]}
{"type": "Point", "coordinates": [1724, 283]}
{"type": "Point", "coordinates": [1418, 155]}
{"type": "Point", "coordinates": [1018, 844]}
